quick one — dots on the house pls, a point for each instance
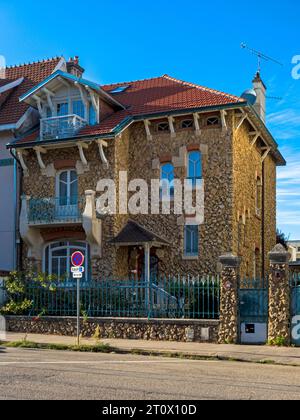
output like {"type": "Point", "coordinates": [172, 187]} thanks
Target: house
{"type": "Point", "coordinates": [294, 250]}
{"type": "Point", "coordinates": [15, 119]}
{"type": "Point", "coordinates": [161, 128]}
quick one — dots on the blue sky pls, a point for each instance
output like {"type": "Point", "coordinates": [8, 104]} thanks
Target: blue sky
{"type": "Point", "coordinates": [197, 41]}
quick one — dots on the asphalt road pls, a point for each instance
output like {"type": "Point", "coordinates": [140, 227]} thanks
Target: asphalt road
{"type": "Point", "coordinates": [38, 375]}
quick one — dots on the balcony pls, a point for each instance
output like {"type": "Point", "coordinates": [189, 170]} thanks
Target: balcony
{"type": "Point", "coordinates": [61, 127]}
{"type": "Point", "coordinates": [55, 211]}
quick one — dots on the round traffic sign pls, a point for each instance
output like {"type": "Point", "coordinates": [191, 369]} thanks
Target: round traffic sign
{"type": "Point", "coordinates": [77, 259]}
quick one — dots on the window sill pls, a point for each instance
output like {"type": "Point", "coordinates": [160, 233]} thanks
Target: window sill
{"type": "Point", "coordinates": [190, 258]}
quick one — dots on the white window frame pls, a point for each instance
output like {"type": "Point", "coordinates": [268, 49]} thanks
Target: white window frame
{"type": "Point", "coordinates": [70, 247]}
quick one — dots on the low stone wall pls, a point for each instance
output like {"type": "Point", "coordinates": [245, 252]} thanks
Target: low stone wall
{"type": "Point", "coordinates": [132, 329]}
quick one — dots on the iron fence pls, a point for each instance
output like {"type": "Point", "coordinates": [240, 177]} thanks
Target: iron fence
{"type": "Point", "coordinates": [164, 297]}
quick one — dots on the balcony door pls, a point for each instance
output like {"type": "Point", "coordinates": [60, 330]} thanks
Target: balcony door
{"type": "Point", "coordinates": [67, 194]}
{"type": "Point", "coordinates": [57, 259]}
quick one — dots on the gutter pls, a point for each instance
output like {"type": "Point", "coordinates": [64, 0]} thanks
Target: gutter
{"type": "Point", "coordinates": [123, 124]}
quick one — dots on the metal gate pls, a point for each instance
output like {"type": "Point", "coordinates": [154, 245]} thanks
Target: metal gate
{"type": "Point", "coordinates": [253, 311]}
{"type": "Point", "coordinates": [295, 306]}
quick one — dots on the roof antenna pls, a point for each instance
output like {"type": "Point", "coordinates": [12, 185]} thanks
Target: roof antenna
{"type": "Point", "coordinates": [260, 56]}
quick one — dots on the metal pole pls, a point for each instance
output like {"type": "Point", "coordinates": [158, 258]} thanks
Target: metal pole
{"type": "Point", "coordinates": [78, 312]}
{"type": "Point", "coordinates": [147, 278]}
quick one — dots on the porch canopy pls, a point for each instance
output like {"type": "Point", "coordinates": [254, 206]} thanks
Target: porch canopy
{"type": "Point", "coordinates": [134, 234]}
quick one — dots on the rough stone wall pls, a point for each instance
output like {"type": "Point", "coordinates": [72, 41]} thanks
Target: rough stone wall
{"type": "Point", "coordinates": [279, 304]}
{"type": "Point", "coordinates": [270, 208]}
{"type": "Point", "coordinates": [228, 331]}
{"type": "Point", "coordinates": [216, 233]}
{"type": "Point", "coordinates": [121, 328]}
{"type": "Point", "coordinates": [247, 165]}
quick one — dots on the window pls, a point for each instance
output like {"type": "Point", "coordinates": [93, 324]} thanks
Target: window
{"type": "Point", "coordinates": [78, 108]}
{"type": "Point", "coordinates": [163, 127]}
{"type": "Point", "coordinates": [62, 109]}
{"type": "Point", "coordinates": [212, 121]}
{"type": "Point", "coordinates": [187, 124]}
{"type": "Point", "coordinates": [195, 167]}
{"type": "Point", "coordinates": [92, 115]}
{"type": "Point", "coordinates": [119, 89]}
{"type": "Point", "coordinates": [191, 241]}
{"type": "Point", "coordinates": [67, 195]}
{"type": "Point", "coordinates": [258, 197]}
{"type": "Point", "coordinates": [167, 180]}
{"type": "Point", "coordinates": [57, 258]}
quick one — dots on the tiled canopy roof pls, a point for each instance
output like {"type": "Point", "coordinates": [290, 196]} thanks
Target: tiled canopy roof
{"type": "Point", "coordinates": [11, 110]}
{"type": "Point", "coordinates": [133, 233]}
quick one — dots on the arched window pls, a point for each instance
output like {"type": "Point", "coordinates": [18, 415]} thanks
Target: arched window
{"type": "Point", "coordinates": [258, 196]}
{"type": "Point", "coordinates": [187, 124]}
{"type": "Point", "coordinates": [57, 258]}
{"type": "Point", "coordinates": [194, 166]}
{"type": "Point", "coordinates": [67, 193]}
{"type": "Point", "coordinates": [167, 179]}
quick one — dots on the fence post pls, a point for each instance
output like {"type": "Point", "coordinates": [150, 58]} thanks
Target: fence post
{"type": "Point", "coordinates": [279, 297]}
{"type": "Point", "coordinates": [229, 329]}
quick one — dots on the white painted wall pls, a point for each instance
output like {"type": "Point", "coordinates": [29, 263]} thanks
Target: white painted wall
{"type": "Point", "coordinates": [7, 210]}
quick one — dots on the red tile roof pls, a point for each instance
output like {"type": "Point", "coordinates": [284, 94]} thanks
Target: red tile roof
{"type": "Point", "coordinates": [158, 95]}
{"type": "Point", "coordinates": [153, 96]}
{"type": "Point", "coordinates": [11, 110]}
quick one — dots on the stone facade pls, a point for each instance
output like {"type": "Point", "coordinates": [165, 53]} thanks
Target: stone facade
{"type": "Point", "coordinates": [279, 296]}
{"type": "Point", "coordinates": [132, 329]}
{"type": "Point", "coordinates": [229, 305]}
{"type": "Point", "coordinates": [230, 168]}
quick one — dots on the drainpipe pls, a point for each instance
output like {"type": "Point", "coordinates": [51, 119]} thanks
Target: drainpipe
{"type": "Point", "coordinates": [147, 249]}
{"type": "Point", "coordinates": [17, 185]}
{"type": "Point", "coordinates": [263, 222]}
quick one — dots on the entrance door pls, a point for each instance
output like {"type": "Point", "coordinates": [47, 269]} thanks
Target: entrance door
{"type": "Point", "coordinates": [296, 310]}
{"type": "Point", "coordinates": [253, 311]}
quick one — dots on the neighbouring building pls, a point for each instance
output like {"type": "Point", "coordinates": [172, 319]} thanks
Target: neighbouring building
{"type": "Point", "coordinates": [15, 119]}
{"type": "Point", "coordinates": [160, 128]}
{"type": "Point", "coordinates": [294, 250]}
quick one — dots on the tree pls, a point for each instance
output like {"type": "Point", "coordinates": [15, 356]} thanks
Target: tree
{"type": "Point", "coordinates": [282, 239]}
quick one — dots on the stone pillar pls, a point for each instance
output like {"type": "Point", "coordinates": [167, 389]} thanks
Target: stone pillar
{"type": "Point", "coordinates": [279, 297]}
{"type": "Point", "coordinates": [229, 319]}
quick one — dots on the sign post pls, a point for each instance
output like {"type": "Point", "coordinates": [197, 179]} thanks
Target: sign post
{"type": "Point", "coordinates": [77, 269]}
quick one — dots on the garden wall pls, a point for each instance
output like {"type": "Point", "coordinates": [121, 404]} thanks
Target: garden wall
{"type": "Point", "coordinates": [121, 328]}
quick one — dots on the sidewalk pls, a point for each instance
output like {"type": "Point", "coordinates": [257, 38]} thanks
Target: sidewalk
{"type": "Point", "coordinates": [279, 355]}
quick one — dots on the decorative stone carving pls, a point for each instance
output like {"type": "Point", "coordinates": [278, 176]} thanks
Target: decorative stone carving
{"type": "Point", "coordinates": [92, 225]}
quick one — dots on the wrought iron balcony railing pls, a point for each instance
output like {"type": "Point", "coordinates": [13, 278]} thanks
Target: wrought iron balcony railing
{"type": "Point", "coordinates": [61, 127]}
{"type": "Point", "coordinates": [47, 211]}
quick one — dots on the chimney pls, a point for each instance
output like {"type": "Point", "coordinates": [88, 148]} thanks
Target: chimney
{"type": "Point", "coordinates": [74, 68]}
{"type": "Point", "coordinates": [260, 90]}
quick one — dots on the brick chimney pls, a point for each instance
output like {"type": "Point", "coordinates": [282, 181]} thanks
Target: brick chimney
{"type": "Point", "coordinates": [74, 68]}
{"type": "Point", "coordinates": [260, 90]}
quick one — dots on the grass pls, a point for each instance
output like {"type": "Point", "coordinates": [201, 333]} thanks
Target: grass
{"type": "Point", "coordinates": [106, 348]}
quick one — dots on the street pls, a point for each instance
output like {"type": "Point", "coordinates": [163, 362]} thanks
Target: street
{"type": "Point", "coordinates": [38, 374]}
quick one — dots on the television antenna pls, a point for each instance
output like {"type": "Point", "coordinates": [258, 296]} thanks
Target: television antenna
{"type": "Point", "coordinates": [260, 56]}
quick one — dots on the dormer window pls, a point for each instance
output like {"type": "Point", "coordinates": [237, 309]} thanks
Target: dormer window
{"type": "Point", "coordinates": [212, 121]}
{"type": "Point", "coordinates": [163, 127]}
{"type": "Point", "coordinates": [119, 89]}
